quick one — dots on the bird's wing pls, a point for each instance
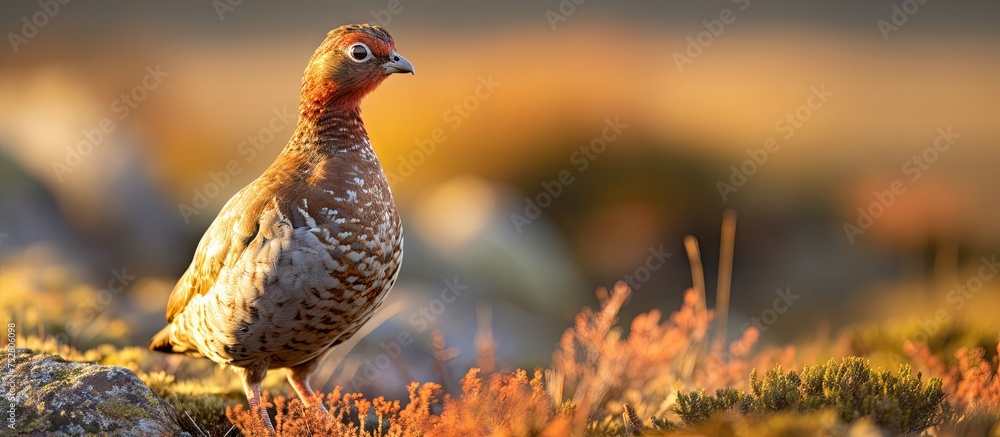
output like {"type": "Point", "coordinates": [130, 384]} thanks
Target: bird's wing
{"type": "Point", "coordinates": [223, 243]}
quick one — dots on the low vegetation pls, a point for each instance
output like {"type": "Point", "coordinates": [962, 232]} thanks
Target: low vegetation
{"type": "Point", "coordinates": [659, 374]}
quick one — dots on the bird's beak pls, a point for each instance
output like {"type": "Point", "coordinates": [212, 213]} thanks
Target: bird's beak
{"type": "Point", "coordinates": [397, 64]}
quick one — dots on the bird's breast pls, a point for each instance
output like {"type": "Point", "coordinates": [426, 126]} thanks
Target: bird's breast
{"type": "Point", "coordinates": [352, 218]}
{"type": "Point", "coordinates": [336, 268]}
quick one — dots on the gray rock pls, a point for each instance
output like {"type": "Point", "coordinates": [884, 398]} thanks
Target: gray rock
{"type": "Point", "coordinates": [52, 396]}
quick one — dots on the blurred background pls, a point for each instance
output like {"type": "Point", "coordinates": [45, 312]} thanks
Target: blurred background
{"type": "Point", "coordinates": [542, 150]}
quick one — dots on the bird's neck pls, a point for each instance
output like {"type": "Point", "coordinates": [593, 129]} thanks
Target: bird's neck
{"type": "Point", "coordinates": [329, 116]}
{"type": "Point", "coordinates": [329, 127]}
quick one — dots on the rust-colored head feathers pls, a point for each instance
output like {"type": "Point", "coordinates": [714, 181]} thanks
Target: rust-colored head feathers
{"type": "Point", "coordinates": [351, 62]}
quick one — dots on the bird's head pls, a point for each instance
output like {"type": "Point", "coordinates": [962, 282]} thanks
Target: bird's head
{"type": "Point", "coordinates": [352, 62]}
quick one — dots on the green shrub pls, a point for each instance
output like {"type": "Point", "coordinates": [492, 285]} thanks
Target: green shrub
{"type": "Point", "coordinates": [699, 407]}
{"type": "Point", "coordinates": [897, 402]}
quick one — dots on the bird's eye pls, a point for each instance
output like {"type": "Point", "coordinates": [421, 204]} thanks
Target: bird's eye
{"type": "Point", "coordinates": [359, 52]}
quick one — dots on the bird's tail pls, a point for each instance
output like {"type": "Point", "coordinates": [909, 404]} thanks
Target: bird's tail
{"type": "Point", "coordinates": [161, 341]}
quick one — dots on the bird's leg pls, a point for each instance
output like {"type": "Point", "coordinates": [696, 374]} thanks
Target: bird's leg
{"type": "Point", "coordinates": [253, 398]}
{"type": "Point", "coordinates": [252, 378]}
{"type": "Point", "coordinates": [299, 375]}
{"type": "Point", "coordinates": [300, 382]}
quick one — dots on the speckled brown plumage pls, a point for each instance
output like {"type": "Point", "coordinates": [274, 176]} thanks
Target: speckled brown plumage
{"type": "Point", "coordinates": [299, 259]}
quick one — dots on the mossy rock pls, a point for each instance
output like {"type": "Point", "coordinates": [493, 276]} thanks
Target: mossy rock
{"type": "Point", "coordinates": [54, 397]}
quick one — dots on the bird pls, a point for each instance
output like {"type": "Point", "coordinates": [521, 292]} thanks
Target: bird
{"type": "Point", "coordinates": [298, 260]}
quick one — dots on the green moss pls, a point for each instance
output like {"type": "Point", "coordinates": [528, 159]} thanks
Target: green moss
{"type": "Point", "coordinates": [36, 424]}
{"type": "Point", "coordinates": [699, 407]}
{"type": "Point", "coordinates": [778, 391]}
{"type": "Point", "coordinates": [897, 402]}
{"type": "Point", "coordinates": [118, 408]}
{"type": "Point", "coordinates": [203, 408]}
{"type": "Point", "coordinates": [66, 374]}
